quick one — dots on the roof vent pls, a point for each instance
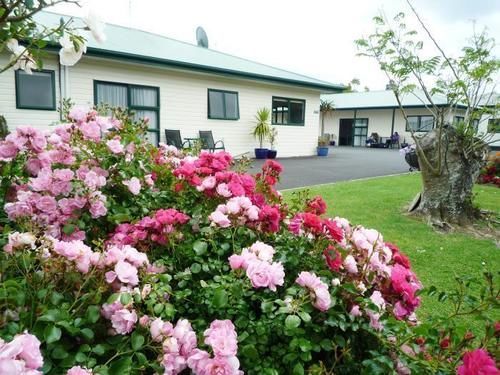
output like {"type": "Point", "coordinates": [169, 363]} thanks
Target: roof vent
{"type": "Point", "coordinates": [201, 37]}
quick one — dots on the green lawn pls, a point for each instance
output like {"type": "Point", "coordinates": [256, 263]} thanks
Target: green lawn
{"type": "Point", "coordinates": [436, 258]}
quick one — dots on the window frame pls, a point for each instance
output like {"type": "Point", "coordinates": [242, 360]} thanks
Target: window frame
{"type": "Point", "coordinates": [40, 108]}
{"type": "Point", "coordinates": [493, 126]}
{"type": "Point", "coordinates": [407, 128]}
{"type": "Point", "coordinates": [223, 105]}
{"type": "Point", "coordinates": [289, 100]}
{"type": "Point", "coordinates": [129, 87]}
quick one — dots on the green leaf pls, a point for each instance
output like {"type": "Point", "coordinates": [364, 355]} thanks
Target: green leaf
{"type": "Point", "coordinates": [298, 369]}
{"type": "Point", "coordinates": [141, 358]}
{"type": "Point", "coordinates": [59, 353]}
{"type": "Point", "coordinates": [250, 352]}
{"type": "Point", "coordinates": [93, 314]}
{"type": "Point", "coordinates": [292, 321]}
{"type": "Point", "coordinates": [195, 268]}
{"type": "Point", "coordinates": [51, 334]}
{"type": "Point", "coordinates": [122, 366]}
{"type": "Point", "coordinates": [87, 333]}
{"type": "Point", "coordinates": [306, 318]}
{"type": "Point", "coordinates": [200, 247]}
{"type": "Point", "coordinates": [137, 340]}
{"type": "Point", "coordinates": [56, 298]}
{"type": "Point", "coordinates": [220, 298]}
{"type": "Point", "coordinates": [125, 299]}
{"type": "Point", "coordinates": [99, 349]}
{"type": "Point", "coordinates": [68, 229]}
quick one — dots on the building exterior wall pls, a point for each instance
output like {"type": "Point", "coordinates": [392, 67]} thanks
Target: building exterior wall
{"type": "Point", "coordinates": [183, 102]}
{"type": "Point", "coordinates": [379, 121]}
{"type": "Point", "coordinates": [16, 117]}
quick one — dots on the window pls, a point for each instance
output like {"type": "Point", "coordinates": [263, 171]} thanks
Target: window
{"type": "Point", "coordinates": [420, 123]}
{"type": "Point", "coordinates": [36, 90]}
{"type": "Point", "coordinates": [288, 111]}
{"type": "Point", "coordinates": [223, 105]}
{"type": "Point", "coordinates": [494, 125]}
{"type": "Point", "coordinates": [143, 100]}
{"type": "Point", "coordinates": [458, 119]}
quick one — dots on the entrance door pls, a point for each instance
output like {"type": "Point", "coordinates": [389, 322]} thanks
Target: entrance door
{"type": "Point", "coordinates": [345, 132]}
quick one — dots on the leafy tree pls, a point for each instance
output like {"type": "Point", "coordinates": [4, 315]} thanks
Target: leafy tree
{"type": "Point", "coordinates": [451, 155]}
{"type": "Point", "coordinates": [26, 39]}
{"type": "Point", "coordinates": [325, 108]}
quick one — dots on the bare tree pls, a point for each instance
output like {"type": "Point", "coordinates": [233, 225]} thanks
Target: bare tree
{"type": "Point", "coordinates": [452, 154]}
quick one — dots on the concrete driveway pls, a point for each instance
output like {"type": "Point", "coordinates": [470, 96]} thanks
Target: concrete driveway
{"type": "Point", "coordinates": [341, 164]}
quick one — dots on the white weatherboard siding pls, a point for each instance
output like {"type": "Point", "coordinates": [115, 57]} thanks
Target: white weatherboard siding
{"type": "Point", "coordinates": [379, 121]}
{"type": "Point", "coordinates": [183, 103]}
{"type": "Point", "coordinates": [17, 117]}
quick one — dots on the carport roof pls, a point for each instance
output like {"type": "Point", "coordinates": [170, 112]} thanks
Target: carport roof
{"type": "Point", "coordinates": [144, 47]}
{"type": "Point", "coordinates": [381, 99]}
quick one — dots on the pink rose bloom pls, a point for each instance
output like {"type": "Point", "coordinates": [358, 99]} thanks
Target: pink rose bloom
{"type": "Point", "coordinates": [20, 240]}
{"type": "Point", "coordinates": [14, 366]}
{"type": "Point", "coordinates": [115, 146]}
{"type": "Point", "coordinates": [400, 311]}
{"type": "Point", "coordinates": [478, 362]}
{"type": "Point", "coordinates": [355, 311]}
{"type": "Point", "coordinates": [135, 257]}
{"type": "Point", "coordinates": [126, 273]}
{"type": "Point", "coordinates": [144, 321]}
{"type": "Point", "coordinates": [46, 204]}
{"type": "Point", "coordinates": [252, 213]}
{"type": "Point", "coordinates": [233, 206]}
{"type": "Point", "coordinates": [134, 185]}
{"type": "Point", "coordinates": [350, 264]}
{"type": "Point", "coordinates": [236, 261]}
{"type": "Point", "coordinates": [308, 280]}
{"type": "Point", "coordinates": [63, 174]}
{"type": "Point", "coordinates": [78, 113]}
{"type": "Point", "coordinates": [264, 252]}
{"type": "Point", "coordinates": [123, 321]}
{"type": "Point", "coordinates": [323, 299]}
{"type": "Point", "coordinates": [24, 348]}
{"type": "Point", "coordinates": [220, 219]}
{"type": "Point", "coordinates": [207, 184]}
{"type": "Point", "coordinates": [108, 309]}
{"type": "Point", "coordinates": [77, 370]}
{"type": "Point", "coordinates": [378, 300]}
{"type": "Point", "coordinates": [98, 209]}
{"type": "Point", "coordinates": [265, 275]}
{"type": "Point", "coordinates": [223, 190]}
{"type": "Point", "coordinates": [222, 366]}
{"type": "Point", "coordinates": [198, 360]}
{"type": "Point", "coordinates": [148, 179]}
{"type": "Point", "coordinates": [94, 181]}
{"type": "Point", "coordinates": [158, 329]}
{"type": "Point", "coordinates": [91, 130]}
{"type": "Point", "coordinates": [374, 320]}
{"type": "Point", "coordinates": [222, 337]}
{"type": "Point", "coordinates": [8, 151]}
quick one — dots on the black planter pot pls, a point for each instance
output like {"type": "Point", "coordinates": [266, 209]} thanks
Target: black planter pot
{"type": "Point", "coordinates": [261, 153]}
{"type": "Point", "coordinates": [271, 154]}
{"type": "Point", "coordinates": [412, 160]}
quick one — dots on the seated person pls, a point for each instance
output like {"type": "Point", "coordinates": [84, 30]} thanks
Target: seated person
{"type": "Point", "coordinates": [374, 138]}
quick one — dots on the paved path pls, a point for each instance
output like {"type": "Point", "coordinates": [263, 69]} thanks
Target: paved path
{"type": "Point", "coordinates": [342, 164]}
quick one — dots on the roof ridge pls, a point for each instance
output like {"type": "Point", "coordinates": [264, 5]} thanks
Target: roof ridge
{"type": "Point", "coordinates": [204, 49]}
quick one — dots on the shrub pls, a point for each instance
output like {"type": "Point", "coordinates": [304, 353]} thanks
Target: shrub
{"type": "Point", "coordinates": [121, 257]}
{"type": "Point", "coordinates": [490, 174]}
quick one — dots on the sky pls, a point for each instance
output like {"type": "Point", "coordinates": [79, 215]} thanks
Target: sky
{"type": "Point", "coordinates": [311, 37]}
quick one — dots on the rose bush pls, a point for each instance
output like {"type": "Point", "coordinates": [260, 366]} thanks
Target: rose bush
{"type": "Point", "coordinates": [122, 257]}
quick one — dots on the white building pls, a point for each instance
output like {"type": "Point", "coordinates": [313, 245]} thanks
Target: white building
{"type": "Point", "coordinates": [177, 85]}
{"type": "Point", "coordinates": [358, 114]}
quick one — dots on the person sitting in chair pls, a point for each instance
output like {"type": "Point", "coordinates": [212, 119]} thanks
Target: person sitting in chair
{"type": "Point", "coordinates": [374, 138]}
{"type": "Point", "coordinates": [394, 139]}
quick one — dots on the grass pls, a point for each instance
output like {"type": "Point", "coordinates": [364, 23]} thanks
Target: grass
{"type": "Point", "coordinates": [436, 258]}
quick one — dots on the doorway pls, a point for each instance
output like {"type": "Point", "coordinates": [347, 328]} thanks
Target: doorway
{"type": "Point", "coordinates": [345, 132]}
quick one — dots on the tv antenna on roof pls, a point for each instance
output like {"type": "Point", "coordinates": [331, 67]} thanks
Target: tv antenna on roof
{"type": "Point", "coordinates": [201, 37]}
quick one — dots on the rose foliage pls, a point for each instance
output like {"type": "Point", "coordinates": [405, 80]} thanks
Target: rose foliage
{"type": "Point", "coordinates": [120, 257]}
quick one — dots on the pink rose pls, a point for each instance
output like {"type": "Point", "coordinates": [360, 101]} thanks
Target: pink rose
{"type": "Point", "coordinates": [222, 366]}
{"type": "Point", "coordinates": [223, 190]}
{"type": "Point", "coordinates": [77, 370]}
{"type": "Point", "coordinates": [222, 337]}
{"type": "Point", "coordinates": [115, 146]}
{"type": "Point", "coordinates": [123, 321]}
{"type": "Point", "coordinates": [478, 362]}
{"type": "Point", "coordinates": [126, 273]}
{"type": "Point", "coordinates": [355, 311]}
{"type": "Point", "coordinates": [134, 185]}
{"type": "Point", "coordinates": [264, 252]}
{"type": "Point", "coordinates": [265, 275]}
{"type": "Point", "coordinates": [8, 151]}
{"type": "Point", "coordinates": [220, 219]}
{"type": "Point", "coordinates": [78, 113]}
{"type": "Point", "coordinates": [236, 261]}
{"type": "Point", "coordinates": [91, 130]}
{"type": "Point", "coordinates": [350, 264]}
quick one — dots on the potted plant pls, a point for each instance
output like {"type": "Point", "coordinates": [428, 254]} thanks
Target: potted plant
{"type": "Point", "coordinates": [273, 134]}
{"type": "Point", "coordinates": [261, 131]}
{"type": "Point", "coordinates": [322, 148]}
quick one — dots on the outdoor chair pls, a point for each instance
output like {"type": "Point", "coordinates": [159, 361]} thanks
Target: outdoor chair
{"type": "Point", "coordinates": [207, 141]}
{"type": "Point", "coordinates": [174, 138]}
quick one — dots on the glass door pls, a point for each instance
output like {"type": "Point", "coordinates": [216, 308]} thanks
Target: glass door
{"type": "Point", "coordinates": [360, 131]}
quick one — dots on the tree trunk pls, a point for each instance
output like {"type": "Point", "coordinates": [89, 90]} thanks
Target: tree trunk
{"type": "Point", "coordinates": [446, 198]}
